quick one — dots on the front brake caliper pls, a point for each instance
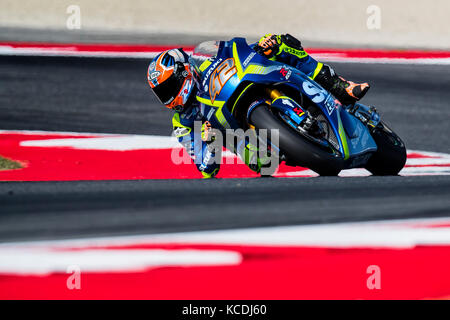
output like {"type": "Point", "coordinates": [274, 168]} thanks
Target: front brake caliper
{"type": "Point", "coordinates": [367, 115]}
{"type": "Point", "coordinates": [312, 126]}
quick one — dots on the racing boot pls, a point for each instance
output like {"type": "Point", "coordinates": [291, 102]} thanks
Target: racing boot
{"type": "Point", "coordinates": [347, 92]}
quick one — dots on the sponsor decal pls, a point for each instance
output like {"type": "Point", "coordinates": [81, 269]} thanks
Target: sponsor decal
{"type": "Point", "coordinates": [210, 70]}
{"type": "Point", "coordinates": [179, 132]}
{"type": "Point", "coordinates": [330, 105]}
{"type": "Point", "coordinates": [316, 94]}
{"type": "Point", "coordinates": [220, 77]}
{"type": "Point", "coordinates": [210, 113]}
{"type": "Point", "coordinates": [299, 111]}
{"type": "Point", "coordinates": [154, 75]}
{"type": "Point", "coordinates": [286, 72]}
{"type": "Point", "coordinates": [287, 102]}
{"type": "Point", "coordinates": [205, 161]}
{"type": "Point", "coordinates": [295, 52]}
{"type": "Point", "coordinates": [185, 91]}
{"type": "Point", "coordinates": [254, 104]}
{"type": "Point", "coordinates": [247, 60]}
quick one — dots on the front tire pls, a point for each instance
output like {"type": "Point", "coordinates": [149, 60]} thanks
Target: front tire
{"type": "Point", "coordinates": [297, 149]}
{"type": "Point", "coordinates": [390, 157]}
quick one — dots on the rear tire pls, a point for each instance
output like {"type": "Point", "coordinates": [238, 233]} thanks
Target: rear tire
{"type": "Point", "coordinates": [390, 157]}
{"type": "Point", "coordinates": [297, 148]}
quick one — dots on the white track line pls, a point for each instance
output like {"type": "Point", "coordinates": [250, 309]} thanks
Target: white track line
{"type": "Point", "coordinates": [117, 143]}
{"type": "Point", "coordinates": [27, 261]}
{"type": "Point", "coordinates": [389, 233]}
{"type": "Point", "coordinates": [415, 166]}
{"type": "Point", "coordinates": [327, 57]}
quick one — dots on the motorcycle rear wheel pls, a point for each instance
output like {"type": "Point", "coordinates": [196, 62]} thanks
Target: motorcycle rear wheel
{"type": "Point", "coordinates": [390, 156]}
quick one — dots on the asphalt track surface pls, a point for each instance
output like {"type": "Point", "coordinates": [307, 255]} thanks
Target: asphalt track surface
{"type": "Point", "coordinates": [112, 96]}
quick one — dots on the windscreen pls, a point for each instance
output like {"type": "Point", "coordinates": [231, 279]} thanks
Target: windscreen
{"type": "Point", "coordinates": [205, 51]}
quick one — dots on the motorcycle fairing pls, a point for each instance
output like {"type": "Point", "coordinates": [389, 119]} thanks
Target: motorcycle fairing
{"type": "Point", "coordinates": [353, 137]}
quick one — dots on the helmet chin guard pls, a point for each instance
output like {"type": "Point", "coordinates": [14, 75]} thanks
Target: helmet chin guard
{"type": "Point", "coordinates": [170, 78]}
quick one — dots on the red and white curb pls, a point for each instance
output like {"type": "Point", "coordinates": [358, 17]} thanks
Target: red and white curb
{"type": "Point", "coordinates": [150, 51]}
{"type": "Point", "coordinates": [334, 261]}
{"type": "Point", "coordinates": [59, 156]}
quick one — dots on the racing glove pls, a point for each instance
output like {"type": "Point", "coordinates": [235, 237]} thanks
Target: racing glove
{"type": "Point", "coordinates": [271, 45]}
{"type": "Point", "coordinates": [208, 135]}
{"type": "Point", "coordinates": [268, 45]}
{"type": "Point", "coordinates": [207, 132]}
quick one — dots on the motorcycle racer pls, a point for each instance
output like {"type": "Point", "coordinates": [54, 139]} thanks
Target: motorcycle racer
{"type": "Point", "coordinates": [287, 49]}
{"type": "Point", "coordinates": [170, 77]}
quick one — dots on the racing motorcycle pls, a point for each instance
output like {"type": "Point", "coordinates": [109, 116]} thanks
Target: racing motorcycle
{"type": "Point", "coordinates": [239, 88]}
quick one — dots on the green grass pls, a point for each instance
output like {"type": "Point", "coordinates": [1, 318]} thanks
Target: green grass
{"type": "Point", "coordinates": [6, 164]}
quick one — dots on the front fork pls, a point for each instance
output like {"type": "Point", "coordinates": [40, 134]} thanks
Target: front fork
{"type": "Point", "coordinates": [298, 118]}
{"type": "Point", "coordinates": [273, 93]}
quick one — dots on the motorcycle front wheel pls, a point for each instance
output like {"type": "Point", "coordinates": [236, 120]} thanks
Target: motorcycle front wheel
{"type": "Point", "coordinates": [390, 156]}
{"type": "Point", "coordinates": [294, 146]}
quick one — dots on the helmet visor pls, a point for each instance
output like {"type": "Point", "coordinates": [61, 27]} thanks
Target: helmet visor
{"type": "Point", "coordinates": [169, 89]}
